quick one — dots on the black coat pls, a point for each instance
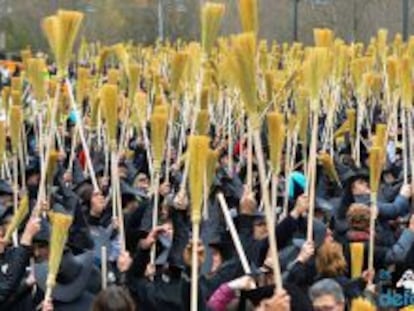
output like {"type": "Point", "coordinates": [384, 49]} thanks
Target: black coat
{"type": "Point", "coordinates": [13, 268]}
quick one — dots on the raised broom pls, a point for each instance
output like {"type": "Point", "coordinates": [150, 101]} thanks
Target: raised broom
{"type": "Point", "coordinates": [375, 167]}
{"type": "Point", "coordinates": [109, 98]}
{"type": "Point", "coordinates": [60, 230]}
{"type": "Point", "coordinates": [159, 123]}
{"type": "Point", "coordinates": [198, 149]}
{"type": "Point", "coordinates": [15, 125]}
{"type": "Point", "coordinates": [244, 51]}
{"type": "Point", "coordinates": [277, 134]}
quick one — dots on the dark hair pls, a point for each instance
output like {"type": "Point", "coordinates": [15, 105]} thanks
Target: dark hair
{"type": "Point", "coordinates": [114, 298]}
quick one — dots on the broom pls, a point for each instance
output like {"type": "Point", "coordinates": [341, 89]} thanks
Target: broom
{"type": "Point", "coordinates": [198, 148]}
{"type": "Point", "coordinates": [357, 259]}
{"type": "Point", "coordinates": [406, 105]}
{"type": "Point", "coordinates": [159, 122]}
{"type": "Point", "coordinates": [60, 230]}
{"type": "Point", "coordinates": [3, 135]}
{"type": "Point", "coordinates": [375, 167]}
{"type": "Point", "coordinates": [244, 51]}
{"type": "Point", "coordinates": [329, 167]}
{"type": "Point", "coordinates": [18, 217]}
{"type": "Point", "coordinates": [141, 110]}
{"type": "Point", "coordinates": [109, 99]}
{"type": "Point", "coordinates": [211, 16]}
{"type": "Point", "coordinates": [276, 132]}
{"type": "Point", "coordinates": [178, 66]}
{"type": "Point", "coordinates": [249, 16]}
{"type": "Point", "coordinates": [15, 125]}
{"type": "Point", "coordinates": [314, 71]}
{"type": "Point", "coordinates": [362, 304]}
{"type": "Point", "coordinates": [60, 30]}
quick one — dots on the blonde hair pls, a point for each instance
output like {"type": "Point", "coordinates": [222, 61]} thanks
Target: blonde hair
{"type": "Point", "coordinates": [330, 260]}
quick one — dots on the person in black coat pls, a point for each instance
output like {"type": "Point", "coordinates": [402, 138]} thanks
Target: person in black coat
{"type": "Point", "coordinates": [13, 264]}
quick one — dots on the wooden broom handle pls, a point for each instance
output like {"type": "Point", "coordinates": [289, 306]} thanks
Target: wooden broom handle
{"type": "Point", "coordinates": [194, 267]}
{"type": "Point", "coordinates": [270, 219]}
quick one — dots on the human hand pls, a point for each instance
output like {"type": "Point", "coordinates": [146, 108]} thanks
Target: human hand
{"type": "Point", "coordinates": [306, 252]}
{"type": "Point", "coordinates": [124, 261]}
{"type": "Point", "coordinates": [248, 203]}
{"type": "Point", "coordinates": [406, 191]}
{"type": "Point", "coordinates": [31, 229]}
{"type": "Point", "coordinates": [245, 282]}
{"type": "Point", "coordinates": [151, 238]}
{"type": "Point", "coordinates": [188, 253]}
{"type": "Point", "coordinates": [279, 302]}
{"type": "Point", "coordinates": [301, 206]}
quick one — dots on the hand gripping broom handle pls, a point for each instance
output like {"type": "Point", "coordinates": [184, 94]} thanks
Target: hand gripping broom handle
{"type": "Point", "coordinates": [80, 128]}
{"type": "Point", "coordinates": [270, 219]}
{"type": "Point", "coordinates": [234, 234]}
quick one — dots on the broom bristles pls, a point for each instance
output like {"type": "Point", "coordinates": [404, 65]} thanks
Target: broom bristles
{"type": "Point", "coordinates": [362, 304]}
{"type": "Point", "coordinates": [178, 65]}
{"type": "Point", "coordinates": [36, 68]}
{"type": "Point", "coordinates": [18, 217]}
{"type": "Point", "coordinates": [16, 84]}
{"type": "Point", "coordinates": [51, 165]}
{"type": "Point", "coordinates": [277, 134]}
{"type": "Point", "coordinates": [3, 131]}
{"type": "Point", "coordinates": [211, 16]}
{"type": "Point", "coordinates": [203, 122]}
{"type": "Point", "coordinates": [328, 165]}
{"type": "Point", "coordinates": [109, 100]}
{"type": "Point", "coordinates": [141, 104]}
{"type": "Point", "coordinates": [323, 37]}
{"type": "Point", "coordinates": [351, 117]}
{"type": "Point", "coordinates": [249, 16]}
{"type": "Point", "coordinates": [134, 71]}
{"type": "Point", "coordinates": [26, 55]}
{"type": "Point", "coordinates": [69, 23]}
{"type": "Point", "coordinates": [406, 83]}
{"type": "Point", "coordinates": [205, 98]}
{"type": "Point", "coordinates": [159, 124]}
{"type": "Point", "coordinates": [50, 26]}
{"type": "Point", "coordinates": [198, 147]}
{"type": "Point", "coordinates": [375, 161]}
{"type": "Point", "coordinates": [244, 68]}
{"type": "Point", "coordinates": [60, 229]}
{"type": "Point", "coordinates": [82, 81]}
{"type": "Point", "coordinates": [113, 76]}
{"type": "Point", "coordinates": [357, 259]}
{"type": "Point", "coordinates": [15, 124]}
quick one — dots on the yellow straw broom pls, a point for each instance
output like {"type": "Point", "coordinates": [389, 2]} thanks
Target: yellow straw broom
{"type": "Point", "coordinates": [159, 124]}
{"type": "Point", "coordinates": [211, 16]}
{"type": "Point", "coordinates": [357, 259]}
{"type": "Point", "coordinates": [277, 133]}
{"type": "Point", "coordinates": [244, 51]}
{"type": "Point", "coordinates": [18, 217]}
{"type": "Point", "coordinates": [362, 304]}
{"type": "Point", "coordinates": [375, 167]}
{"type": "Point", "coordinates": [60, 230]}
{"type": "Point", "coordinates": [198, 147]}
{"type": "Point", "coordinates": [249, 16]}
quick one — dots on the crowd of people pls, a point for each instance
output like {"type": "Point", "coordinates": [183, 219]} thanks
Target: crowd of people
{"type": "Point", "coordinates": [125, 259]}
